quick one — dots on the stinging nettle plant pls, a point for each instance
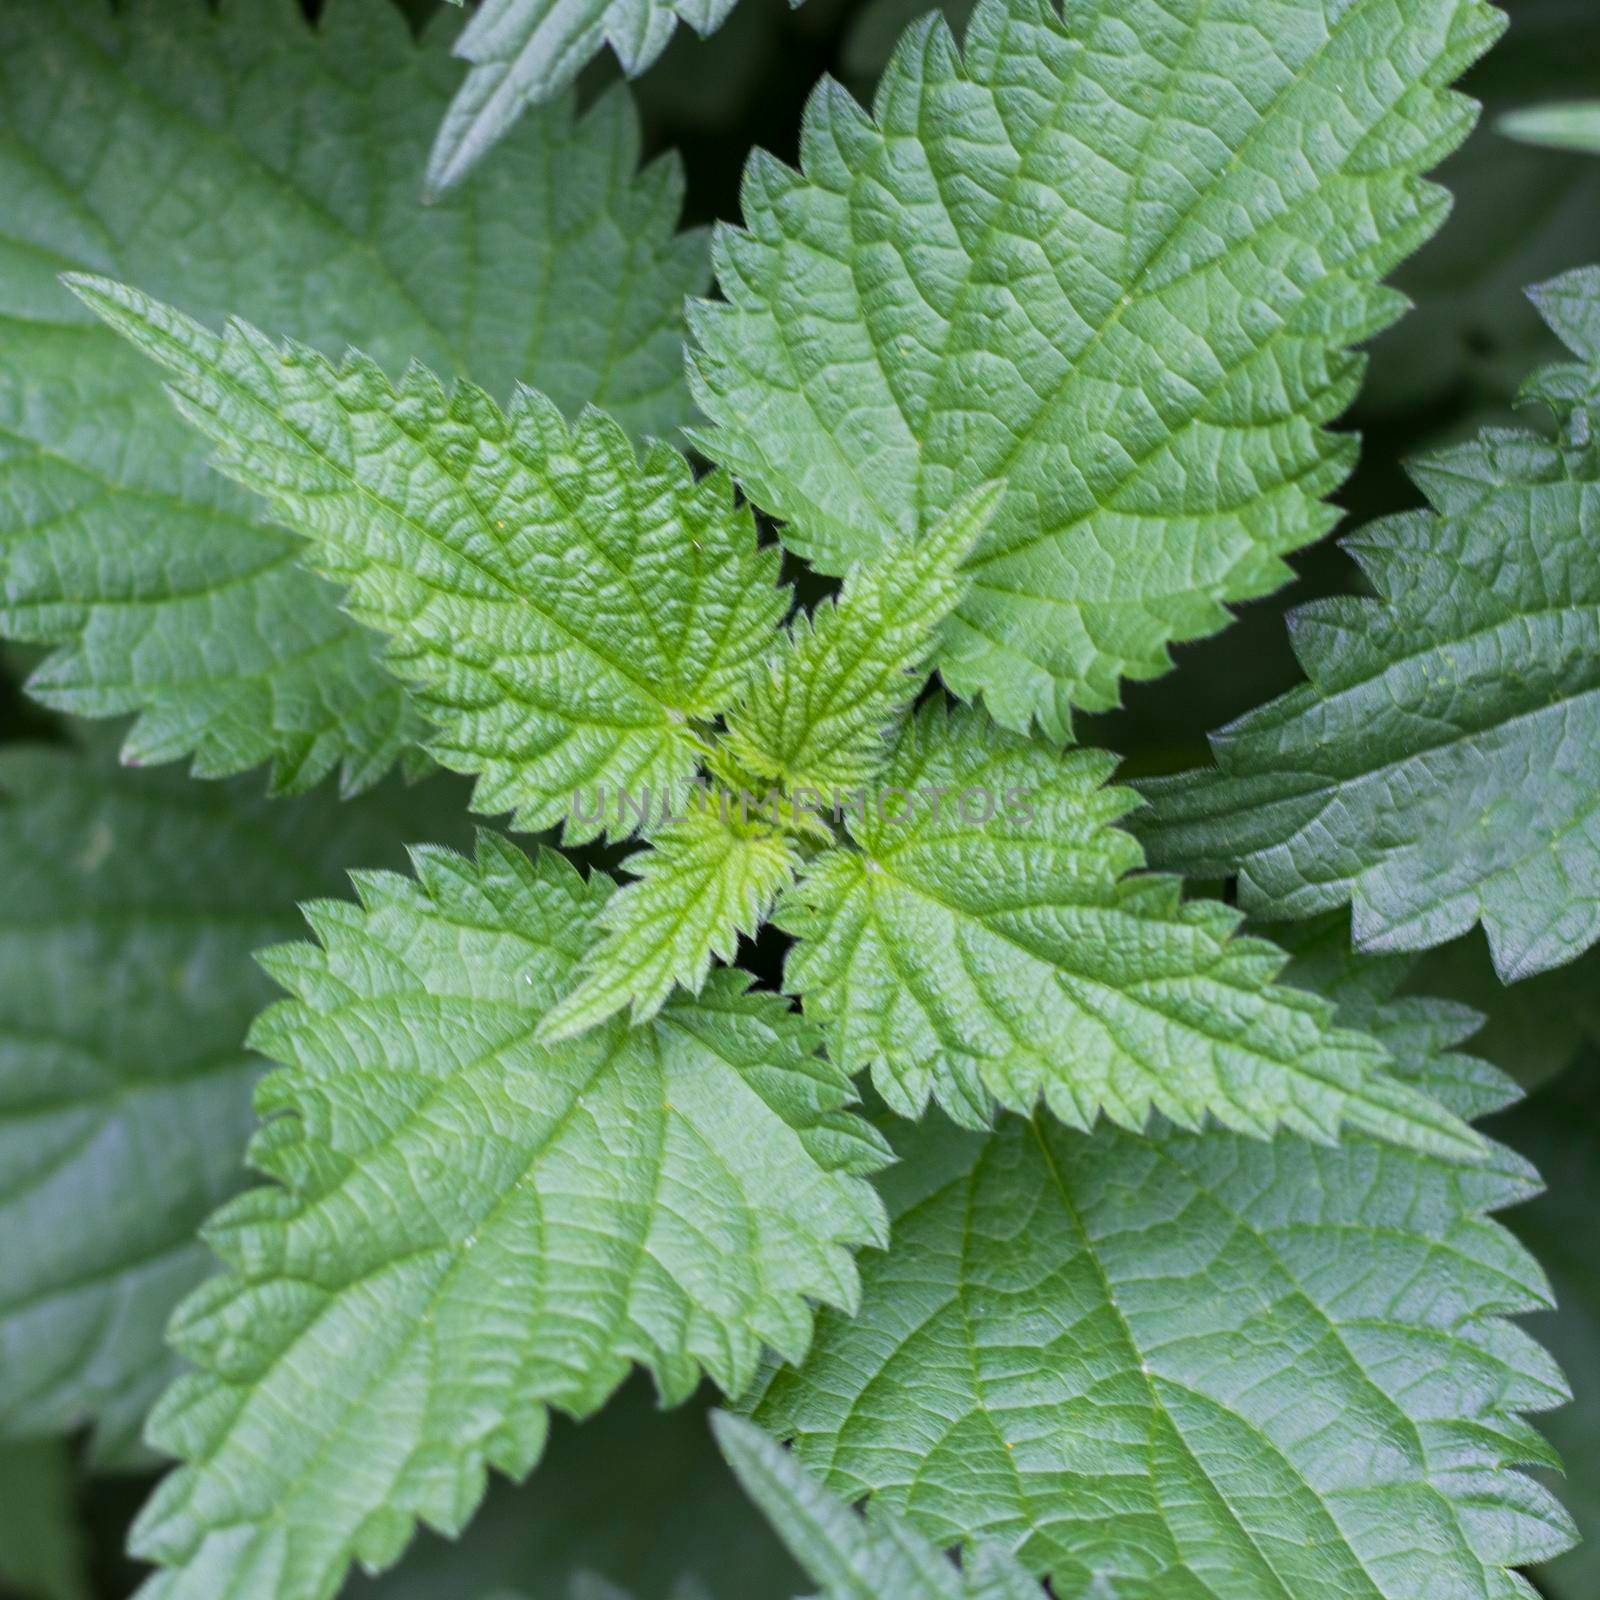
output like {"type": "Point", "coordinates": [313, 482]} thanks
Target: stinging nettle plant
{"type": "Point", "coordinates": [1103, 1242]}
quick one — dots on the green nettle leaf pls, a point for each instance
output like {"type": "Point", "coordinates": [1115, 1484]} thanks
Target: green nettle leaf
{"type": "Point", "coordinates": [523, 52]}
{"type": "Point", "coordinates": [132, 904]}
{"type": "Point", "coordinates": [232, 158]}
{"type": "Point", "coordinates": [1196, 1287]}
{"type": "Point", "coordinates": [817, 718]}
{"type": "Point", "coordinates": [468, 1228]}
{"type": "Point", "coordinates": [815, 722]}
{"type": "Point", "coordinates": [852, 1558]}
{"type": "Point", "coordinates": [569, 614]}
{"type": "Point", "coordinates": [1570, 126]}
{"type": "Point", "coordinates": [985, 941]}
{"type": "Point", "coordinates": [1439, 768]}
{"type": "Point", "coordinates": [1115, 258]}
{"type": "Point", "coordinates": [709, 876]}
{"type": "Point", "coordinates": [1171, 1364]}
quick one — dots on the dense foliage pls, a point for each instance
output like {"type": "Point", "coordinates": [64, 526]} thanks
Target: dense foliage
{"type": "Point", "coordinates": [1029, 1151]}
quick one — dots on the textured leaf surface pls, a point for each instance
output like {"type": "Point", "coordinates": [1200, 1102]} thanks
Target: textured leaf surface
{"type": "Point", "coordinates": [818, 717]}
{"type": "Point", "coordinates": [706, 878]}
{"type": "Point", "coordinates": [1440, 767]}
{"type": "Point", "coordinates": [1201, 1365]}
{"type": "Point", "coordinates": [132, 904]}
{"type": "Point", "coordinates": [1114, 258]}
{"type": "Point", "coordinates": [231, 159]}
{"type": "Point", "coordinates": [469, 1229]}
{"type": "Point", "coordinates": [854, 1559]}
{"type": "Point", "coordinates": [1013, 957]}
{"type": "Point", "coordinates": [566, 611]}
{"type": "Point", "coordinates": [524, 52]}
{"type": "Point", "coordinates": [1575, 126]}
